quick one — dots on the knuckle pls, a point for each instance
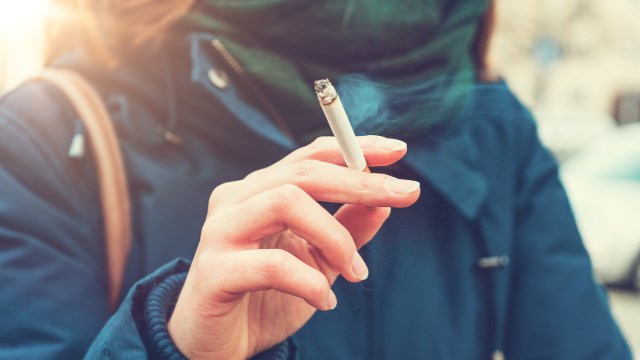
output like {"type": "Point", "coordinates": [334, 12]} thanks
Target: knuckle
{"type": "Point", "coordinates": [212, 232]}
{"type": "Point", "coordinates": [254, 174]}
{"type": "Point", "coordinates": [318, 148]}
{"type": "Point", "coordinates": [208, 262]}
{"type": "Point", "coordinates": [320, 142]}
{"type": "Point", "coordinates": [203, 261]}
{"type": "Point", "coordinates": [220, 193]}
{"type": "Point", "coordinates": [303, 170]}
{"type": "Point", "coordinates": [208, 230]}
{"type": "Point", "coordinates": [368, 181]}
{"type": "Point", "coordinates": [345, 246]}
{"type": "Point", "coordinates": [317, 288]}
{"type": "Point", "coordinates": [283, 198]}
{"type": "Point", "coordinates": [278, 265]}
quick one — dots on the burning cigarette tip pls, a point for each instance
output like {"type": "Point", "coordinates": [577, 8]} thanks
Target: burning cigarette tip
{"type": "Point", "coordinates": [339, 124]}
{"type": "Point", "coordinates": [325, 91]}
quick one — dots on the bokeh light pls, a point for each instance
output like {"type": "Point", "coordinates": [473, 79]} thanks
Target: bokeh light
{"type": "Point", "coordinates": [21, 39]}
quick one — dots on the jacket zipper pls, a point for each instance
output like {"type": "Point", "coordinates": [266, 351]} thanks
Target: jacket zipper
{"type": "Point", "coordinates": [275, 115]}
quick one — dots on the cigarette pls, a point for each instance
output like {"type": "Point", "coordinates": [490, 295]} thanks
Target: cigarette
{"type": "Point", "coordinates": [340, 126]}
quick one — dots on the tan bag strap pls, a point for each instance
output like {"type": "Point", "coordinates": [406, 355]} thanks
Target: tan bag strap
{"type": "Point", "coordinates": [112, 180]}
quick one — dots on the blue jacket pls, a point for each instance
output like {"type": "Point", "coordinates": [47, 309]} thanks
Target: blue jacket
{"type": "Point", "coordinates": [489, 260]}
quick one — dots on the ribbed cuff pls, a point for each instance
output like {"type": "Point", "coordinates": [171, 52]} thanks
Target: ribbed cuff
{"type": "Point", "coordinates": [158, 308]}
{"type": "Point", "coordinates": [283, 351]}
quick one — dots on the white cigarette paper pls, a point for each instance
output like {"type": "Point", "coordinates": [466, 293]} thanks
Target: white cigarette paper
{"type": "Point", "coordinates": [340, 126]}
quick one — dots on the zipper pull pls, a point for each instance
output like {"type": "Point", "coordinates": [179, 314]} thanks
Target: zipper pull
{"type": "Point", "coordinates": [168, 135]}
{"type": "Point", "coordinates": [76, 149]}
{"type": "Point", "coordinates": [267, 105]}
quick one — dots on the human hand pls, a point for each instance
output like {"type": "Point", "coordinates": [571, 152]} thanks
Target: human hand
{"type": "Point", "coordinates": [269, 252]}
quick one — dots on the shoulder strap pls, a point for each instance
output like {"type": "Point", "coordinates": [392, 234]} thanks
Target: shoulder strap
{"type": "Point", "coordinates": [112, 182]}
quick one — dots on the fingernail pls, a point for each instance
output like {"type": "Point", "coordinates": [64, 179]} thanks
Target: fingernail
{"type": "Point", "coordinates": [332, 300]}
{"type": "Point", "coordinates": [360, 269]}
{"type": "Point", "coordinates": [391, 145]}
{"type": "Point", "coordinates": [402, 187]}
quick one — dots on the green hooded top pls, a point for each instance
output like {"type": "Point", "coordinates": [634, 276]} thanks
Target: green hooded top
{"type": "Point", "coordinates": [399, 66]}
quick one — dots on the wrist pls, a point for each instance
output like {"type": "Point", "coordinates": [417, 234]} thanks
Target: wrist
{"type": "Point", "coordinates": [192, 330]}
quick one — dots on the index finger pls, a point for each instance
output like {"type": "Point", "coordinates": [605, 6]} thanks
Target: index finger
{"type": "Point", "coordinates": [378, 151]}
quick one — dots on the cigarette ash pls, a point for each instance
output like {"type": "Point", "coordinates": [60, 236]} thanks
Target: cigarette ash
{"type": "Point", "coordinates": [325, 91]}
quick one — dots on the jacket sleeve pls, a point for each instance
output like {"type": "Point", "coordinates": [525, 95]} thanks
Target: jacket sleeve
{"type": "Point", "coordinates": [557, 310]}
{"type": "Point", "coordinates": [53, 294]}
{"type": "Point", "coordinates": [52, 297]}
{"type": "Point", "coordinates": [148, 306]}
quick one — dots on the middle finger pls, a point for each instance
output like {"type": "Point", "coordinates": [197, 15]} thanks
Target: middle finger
{"type": "Point", "coordinates": [323, 182]}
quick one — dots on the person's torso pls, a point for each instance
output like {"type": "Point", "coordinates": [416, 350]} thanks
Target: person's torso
{"type": "Point", "coordinates": [426, 297]}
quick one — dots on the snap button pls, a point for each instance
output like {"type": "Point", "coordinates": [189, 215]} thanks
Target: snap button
{"type": "Point", "coordinates": [218, 78]}
{"type": "Point", "coordinates": [493, 262]}
{"type": "Point", "coordinates": [498, 355]}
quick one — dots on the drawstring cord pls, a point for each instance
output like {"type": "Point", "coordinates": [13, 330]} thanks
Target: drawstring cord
{"type": "Point", "coordinates": [168, 132]}
{"type": "Point", "coordinates": [78, 143]}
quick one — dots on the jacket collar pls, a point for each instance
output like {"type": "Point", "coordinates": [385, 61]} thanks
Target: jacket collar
{"type": "Point", "coordinates": [202, 66]}
{"type": "Point", "coordinates": [445, 158]}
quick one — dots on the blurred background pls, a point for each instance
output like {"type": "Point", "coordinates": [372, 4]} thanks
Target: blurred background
{"type": "Point", "coordinates": [575, 63]}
